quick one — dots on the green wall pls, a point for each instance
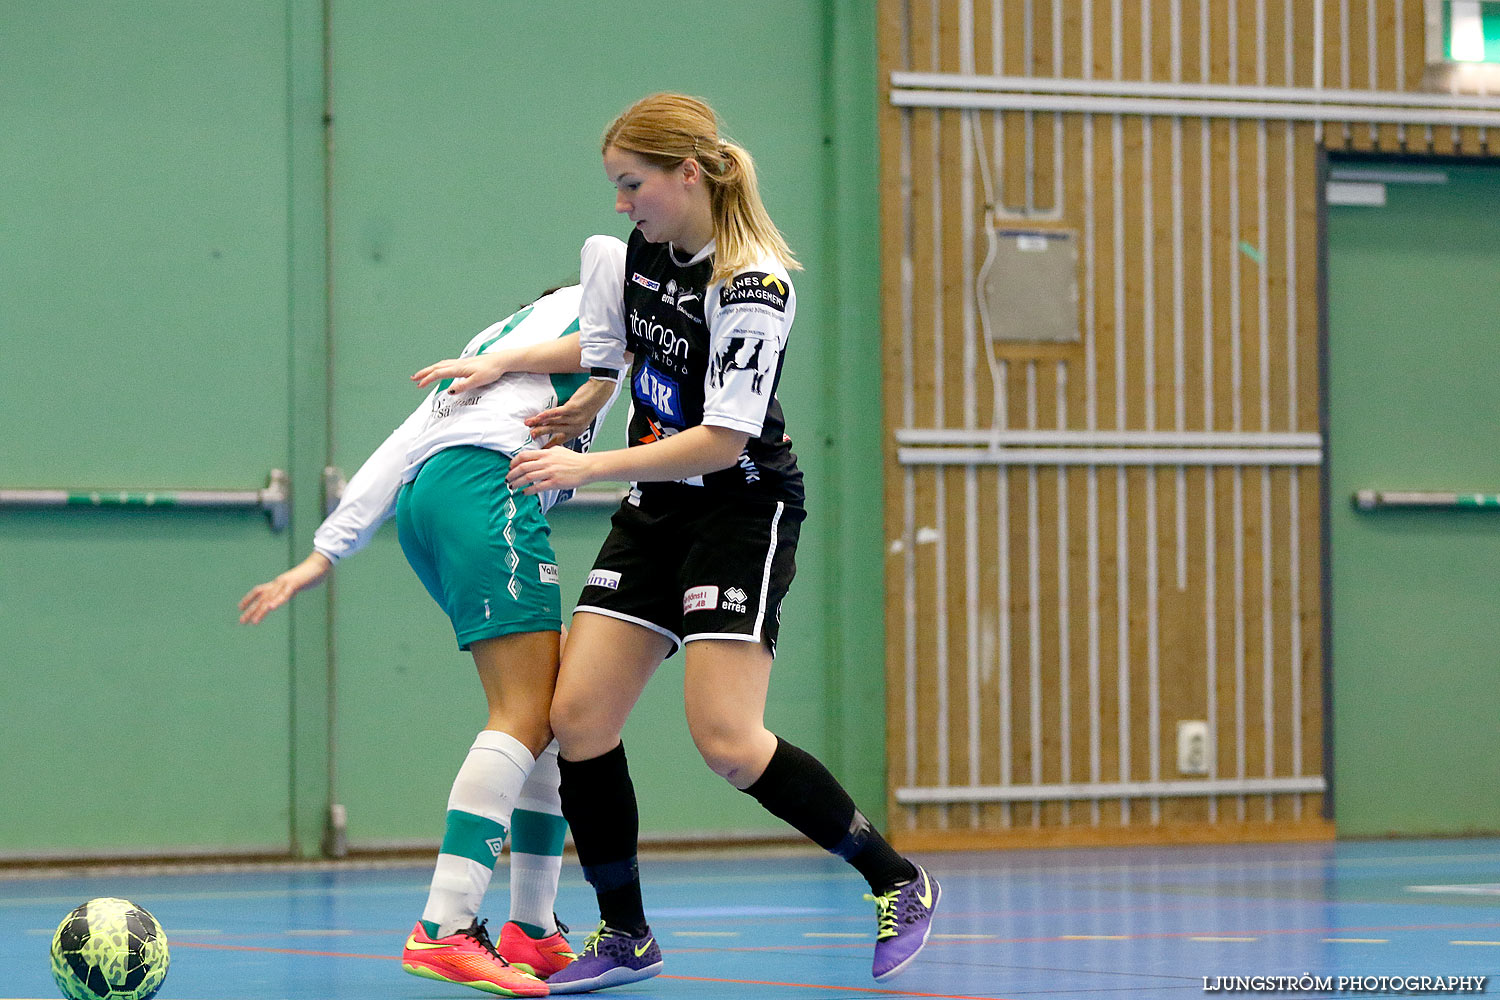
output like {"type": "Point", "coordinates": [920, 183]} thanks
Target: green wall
{"type": "Point", "coordinates": [232, 296]}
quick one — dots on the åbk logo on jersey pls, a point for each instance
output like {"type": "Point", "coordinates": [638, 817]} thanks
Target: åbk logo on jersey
{"type": "Point", "coordinates": [660, 393]}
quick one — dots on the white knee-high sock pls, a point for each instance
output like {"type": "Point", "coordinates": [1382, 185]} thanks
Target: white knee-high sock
{"type": "Point", "coordinates": [536, 846]}
{"type": "Point", "coordinates": [479, 813]}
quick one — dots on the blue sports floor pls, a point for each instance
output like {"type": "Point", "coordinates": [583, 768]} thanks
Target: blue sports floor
{"type": "Point", "coordinates": [790, 925]}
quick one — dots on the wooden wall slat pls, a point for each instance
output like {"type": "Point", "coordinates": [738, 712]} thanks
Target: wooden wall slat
{"type": "Point", "coordinates": [1362, 71]}
{"type": "Point", "coordinates": [892, 35]}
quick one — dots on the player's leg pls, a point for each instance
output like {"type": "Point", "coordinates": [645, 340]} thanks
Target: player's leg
{"type": "Point", "coordinates": [605, 668]}
{"type": "Point", "coordinates": [449, 943]}
{"type": "Point", "coordinates": [725, 685]}
{"type": "Point", "coordinates": [533, 939]}
{"type": "Point", "coordinates": [731, 620]}
{"type": "Point", "coordinates": [517, 673]}
{"type": "Point", "coordinates": [481, 550]}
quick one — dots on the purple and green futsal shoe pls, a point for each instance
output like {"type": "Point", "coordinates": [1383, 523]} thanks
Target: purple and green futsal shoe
{"type": "Point", "coordinates": [608, 958]}
{"type": "Point", "coordinates": [904, 916]}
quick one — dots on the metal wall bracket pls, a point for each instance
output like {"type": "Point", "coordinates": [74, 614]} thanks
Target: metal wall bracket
{"type": "Point", "coordinates": [334, 485]}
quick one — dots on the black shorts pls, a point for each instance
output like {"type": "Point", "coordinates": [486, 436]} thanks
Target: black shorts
{"type": "Point", "coordinates": [688, 565]}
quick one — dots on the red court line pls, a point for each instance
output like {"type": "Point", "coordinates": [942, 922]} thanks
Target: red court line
{"type": "Point", "coordinates": [1164, 936]}
{"type": "Point", "coordinates": [276, 951]}
{"type": "Point", "coordinates": [840, 989]}
{"type": "Point", "coordinates": [691, 979]}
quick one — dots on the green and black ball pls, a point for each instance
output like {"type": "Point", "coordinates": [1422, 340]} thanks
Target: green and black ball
{"type": "Point", "coordinates": [109, 949]}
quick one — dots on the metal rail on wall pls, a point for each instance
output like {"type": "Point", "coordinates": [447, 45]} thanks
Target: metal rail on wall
{"type": "Point", "coordinates": [274, 499]}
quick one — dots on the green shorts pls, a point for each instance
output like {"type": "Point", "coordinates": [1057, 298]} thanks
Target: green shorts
{"type": "Point", "coordinates": [479, 547]}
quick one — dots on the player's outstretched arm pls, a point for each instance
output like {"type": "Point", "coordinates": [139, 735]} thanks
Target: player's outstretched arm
{"type": "Point", "coordinates": [267, 597]}
{"type": "Point", "coordinates": [546, 358]}
{"type": "Point", "coordinates": [694, 452]}
{"type": "Point", "coordinates": [566, 422]}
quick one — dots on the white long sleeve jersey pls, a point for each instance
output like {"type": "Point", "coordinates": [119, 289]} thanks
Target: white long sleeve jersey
{"type": "Point", "coordinates": [490, 417]}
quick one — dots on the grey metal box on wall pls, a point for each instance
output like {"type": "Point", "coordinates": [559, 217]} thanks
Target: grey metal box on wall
{"type": "Point", "coordinates": [1028, 288]}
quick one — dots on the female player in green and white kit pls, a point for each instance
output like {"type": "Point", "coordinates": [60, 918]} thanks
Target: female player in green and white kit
{"type": "Point", "coordinates": [481, 549]}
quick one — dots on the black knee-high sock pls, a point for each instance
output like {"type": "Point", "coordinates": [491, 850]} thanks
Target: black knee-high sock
{"type": "Point", "coordinates": [797, 788]}
{"type": "Point", "coordinates": [598, 801]}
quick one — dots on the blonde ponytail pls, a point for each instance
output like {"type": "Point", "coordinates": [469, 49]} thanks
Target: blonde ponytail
{"type": "Point", "coordinates": [667, 129]}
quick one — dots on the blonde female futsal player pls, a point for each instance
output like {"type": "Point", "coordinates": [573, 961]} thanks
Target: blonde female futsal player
{"type": "Point", "coordinates": [701, 553]}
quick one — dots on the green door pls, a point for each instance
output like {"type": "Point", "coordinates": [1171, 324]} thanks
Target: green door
{"type": "Point", "coordinates": [1414, 405]}
{"type": "Point", "coordinates": [143, 313]}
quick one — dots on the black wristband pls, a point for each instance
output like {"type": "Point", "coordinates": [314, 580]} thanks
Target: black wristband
{"type": "Point", "coordinates": [607, 374]}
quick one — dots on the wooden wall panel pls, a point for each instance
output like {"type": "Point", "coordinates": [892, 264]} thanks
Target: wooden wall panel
{"type": "Point", "coordinates": [1048, 624]}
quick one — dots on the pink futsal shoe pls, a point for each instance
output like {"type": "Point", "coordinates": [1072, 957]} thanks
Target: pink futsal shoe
{"type": "Point", "coordinates": [539, 956]}
{"type": "Point", "coordinates": [467, 958]}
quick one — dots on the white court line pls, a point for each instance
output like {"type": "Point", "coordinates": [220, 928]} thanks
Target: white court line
{"type": "Point", "coordinates": [705, 933]}
{"type": "Point", "coordinates": [1484, 889]}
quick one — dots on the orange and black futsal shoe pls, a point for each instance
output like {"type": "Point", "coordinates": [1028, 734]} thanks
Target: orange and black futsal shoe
{"type": "Point", "coordinates": [467, 958]}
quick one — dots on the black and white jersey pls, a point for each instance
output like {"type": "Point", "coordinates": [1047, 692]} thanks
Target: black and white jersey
{"type": "Point", "coordinates": [710, 353]}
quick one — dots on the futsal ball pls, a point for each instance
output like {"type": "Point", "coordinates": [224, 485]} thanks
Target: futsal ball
{"type": "Point", "coordinates": [109, 949]}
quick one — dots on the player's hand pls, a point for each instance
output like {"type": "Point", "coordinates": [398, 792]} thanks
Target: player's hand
{"type": "Point", "coordinates": [267, 597]}
{"type": "Point", "coordinates": [566, 422]}
{"type": "Point", "coordinates": [467, 373]}
{"type": "Point", "coordinates": [549, 469]}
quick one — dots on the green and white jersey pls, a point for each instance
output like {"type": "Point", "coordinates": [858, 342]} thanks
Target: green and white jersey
{"type": "Point", "coordinates": [489, 417]}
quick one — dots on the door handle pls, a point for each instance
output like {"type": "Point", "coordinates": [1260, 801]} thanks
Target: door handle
{"type": "Point", "coordinates": [274, 500]}
{"type": "Point", "coordinates": [1424, 500]}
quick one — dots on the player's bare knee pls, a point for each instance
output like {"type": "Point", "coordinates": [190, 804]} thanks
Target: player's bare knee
{"type": "Point", "coordinates": [568, 719]}
{"type": "Point", "coordinates": [723, 750]}
{"type": "Point", "coordinates": [534, 732]}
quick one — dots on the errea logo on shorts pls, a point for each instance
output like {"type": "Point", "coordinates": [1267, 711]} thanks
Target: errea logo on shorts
{"type": "Point", "coordinates": [547, 573]}
{"type": "Point", "coordinates": [606, 578]}
{"type": "Point", "coordinates": [734, 600]}
{"type": "Point", "coordinates": [700, 599]}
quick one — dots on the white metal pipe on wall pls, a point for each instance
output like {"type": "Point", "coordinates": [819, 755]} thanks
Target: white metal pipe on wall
{"type": "Point", "coordinates": [1457, 116]}
{"type": "Point", "coordinates": [1125, 790]}
{"type": "Point", "coordinates": [1162, 91]}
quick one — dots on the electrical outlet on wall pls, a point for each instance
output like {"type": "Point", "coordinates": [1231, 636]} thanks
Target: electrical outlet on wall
{"type": "Point", "coordinates": [1193, 746]}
